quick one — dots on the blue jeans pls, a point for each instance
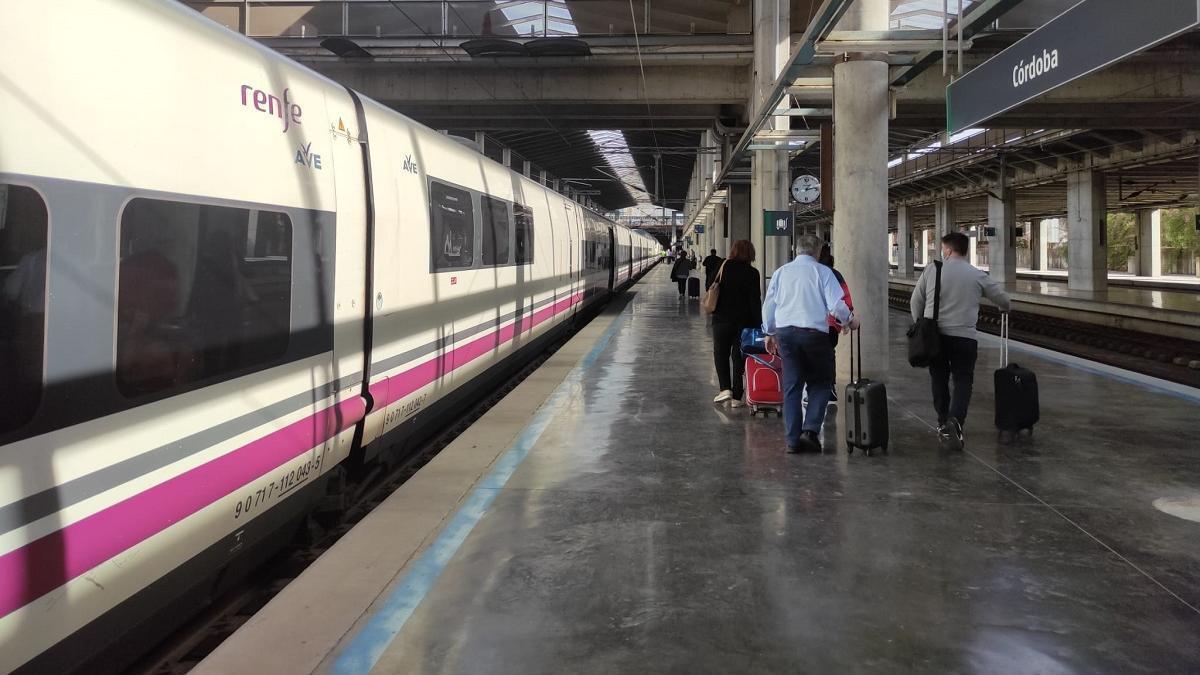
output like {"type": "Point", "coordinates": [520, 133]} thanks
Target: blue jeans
{"type": "Point", "coordinates": [807, 360]}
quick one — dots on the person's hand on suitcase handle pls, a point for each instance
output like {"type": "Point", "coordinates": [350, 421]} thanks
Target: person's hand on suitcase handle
{"type": "Point", "coordinates": [771, 345]}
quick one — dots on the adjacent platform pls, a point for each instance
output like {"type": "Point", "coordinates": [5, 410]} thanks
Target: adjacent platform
{"type": "Point", "coordinates": [607, 518]}
{"type": "Point", "coordinates": [1167, 312]}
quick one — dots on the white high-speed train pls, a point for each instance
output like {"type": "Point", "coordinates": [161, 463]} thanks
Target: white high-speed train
{"type": "Point", "coordinates": [224, 279]}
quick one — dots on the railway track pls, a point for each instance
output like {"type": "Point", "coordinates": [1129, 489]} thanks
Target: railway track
{"type": "Point", "coordinates": [1173, 359]}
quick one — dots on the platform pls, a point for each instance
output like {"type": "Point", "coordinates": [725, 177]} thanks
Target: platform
{"type": "Point", "coordinates": [606, 517]}
{"type": "Point", "coordinates": [1167, 312]}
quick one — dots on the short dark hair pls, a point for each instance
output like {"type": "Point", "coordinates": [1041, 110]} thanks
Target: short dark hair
{"type": "Point", "coordinates": [742, 251]}
{"type": "Point", "coordinates": [713, 252]}
{"type": "Point", "coordinates": [958, 242]}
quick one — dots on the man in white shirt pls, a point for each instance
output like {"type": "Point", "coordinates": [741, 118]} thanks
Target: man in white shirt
{"type": "Point", "coordinates": [803, 294]}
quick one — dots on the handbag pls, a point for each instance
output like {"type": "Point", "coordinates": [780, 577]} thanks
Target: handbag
{"type": "Point", "coordinates": [708, 304]}
{"type": "Point", "coordinates": [924, 340]}
{"type": "Point", "coordinates": [754, 341]}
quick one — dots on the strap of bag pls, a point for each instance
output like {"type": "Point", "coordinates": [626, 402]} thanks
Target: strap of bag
{"type": "Point", "coordinates": [937, 289]}
{"type": "Point", "coordinates": [720, 272]}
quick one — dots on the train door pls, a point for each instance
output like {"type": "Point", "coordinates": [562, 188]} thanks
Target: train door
{"type": "Point", "coordinates": [355, 204]}
{"type": "Point", "coordinates": [611, 257]}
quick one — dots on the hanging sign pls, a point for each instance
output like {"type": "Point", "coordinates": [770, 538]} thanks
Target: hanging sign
{"type": "Point", "coordinates": [1085, 38]}
{"type": "Point", "coordinates": [777, 223]}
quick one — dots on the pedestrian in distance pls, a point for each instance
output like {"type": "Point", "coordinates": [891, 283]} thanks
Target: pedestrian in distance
{"type": "Point", "coordinates": [801, 297]}
{"type": "Point", "coordinates": [962, 286]}
{"type": "Point", "coordinates": [711, 264]}
{"type": "Point", "coordinates": [739, 306]}
{"type": "Point", "coordinates": [680, 272]}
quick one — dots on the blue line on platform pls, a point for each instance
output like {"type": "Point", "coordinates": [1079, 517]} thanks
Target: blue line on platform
{"type": "Point", "coordinates": [366, 648]}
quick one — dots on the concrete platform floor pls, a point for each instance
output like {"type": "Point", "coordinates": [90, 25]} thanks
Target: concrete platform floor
{"type": "Point", "coordinates": [648, 530]}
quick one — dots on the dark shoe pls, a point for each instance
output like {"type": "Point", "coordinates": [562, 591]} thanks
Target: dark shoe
{"type": "Point", "coordinates": [1007, 437]}
{"type": "Point", "coordinates": [954, 433]}
{"type": "Point", "coordinates": [943, 435]}
{"type": "Point", "coordinates": [795, 450]}
{"type": "Point", "coordinates": [812, 440]}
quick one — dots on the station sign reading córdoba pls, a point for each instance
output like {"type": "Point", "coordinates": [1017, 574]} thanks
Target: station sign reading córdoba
{"type": "Point", "coordinates": [1085, 38]}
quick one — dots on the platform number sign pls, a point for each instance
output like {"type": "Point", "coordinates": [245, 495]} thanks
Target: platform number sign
{"type": "Point", "coordinates": [777, 223]}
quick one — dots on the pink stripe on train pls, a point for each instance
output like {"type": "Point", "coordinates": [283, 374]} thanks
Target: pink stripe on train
{"type": "Point", "coordinates": [29, 572]}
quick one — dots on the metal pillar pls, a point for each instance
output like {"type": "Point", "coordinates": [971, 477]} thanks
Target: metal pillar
{"type": "Point", "coordinates": [1035, 244]}
{"type": "Point", "coordinates": [1087, 231]}
{"type": "Point", "coordinates": [904, 242]}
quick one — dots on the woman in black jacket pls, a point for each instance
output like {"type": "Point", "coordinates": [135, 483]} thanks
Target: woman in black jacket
{"type": "Point", "coordinates": [739, 305]}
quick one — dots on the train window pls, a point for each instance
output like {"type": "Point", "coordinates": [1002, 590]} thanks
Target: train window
{"type": "Point", "coordinates": [203, 293]}
{"type": "Point", "coordinates": [523, 241]}
{"type": "Point", "coordinates": [451, 227]}
{"type": "Point", "coordinates": [23, 220]}
{"type": "Point", "coordinates": [495, 231]}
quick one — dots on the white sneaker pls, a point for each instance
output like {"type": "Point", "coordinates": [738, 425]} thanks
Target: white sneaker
{"type": "Point", "coordinates": [725, 395]}
{"type": "Point", "coordinates": [736, 403]}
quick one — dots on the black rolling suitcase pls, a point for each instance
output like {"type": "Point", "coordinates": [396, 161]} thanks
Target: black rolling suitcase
{"type": "Point", "coordinates": [1017, 406]}
{"type": "Point", "coordinates": [866, 408]}
{"type": "Point", "coordinates": [693, 287]}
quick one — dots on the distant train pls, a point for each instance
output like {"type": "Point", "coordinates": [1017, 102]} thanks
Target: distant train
{"type": "Point", "coordinates": [225, 279]}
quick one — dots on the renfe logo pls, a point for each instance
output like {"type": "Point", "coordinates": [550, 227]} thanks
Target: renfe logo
{"type": "Point", "coordinates": [272, 105]}
{"type": "Point", "coordinates": [1037, 66]}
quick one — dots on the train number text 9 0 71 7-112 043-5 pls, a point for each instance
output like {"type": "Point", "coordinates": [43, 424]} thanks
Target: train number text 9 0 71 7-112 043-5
{"type": "Point", "coordinates": [290, 478]}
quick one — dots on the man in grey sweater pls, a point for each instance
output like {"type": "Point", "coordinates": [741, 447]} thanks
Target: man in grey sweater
{"type": "Point", "coordinates": [962, 286]}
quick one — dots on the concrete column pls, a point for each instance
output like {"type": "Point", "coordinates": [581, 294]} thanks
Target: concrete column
{"type": "Point", "coordinates": [943, 221]}
{"type": "Point", "coordinates": [1087, 231]}
{"type": "Point", "coordinates": [527, 168]}
{"type": "Point", "coordinates": [860, 113]}
{"type": "Point", "coordinates": [1149, 241]}
{"type": "Point", "coordinates": [926, 234]}
{"type": "Point", "coordinates": [904, 242]}
{"type": "Point", "coordinates": [769, 172]}
{"type": "Point", "coordinates": [1044, 244]}
{"type": "Point", "coordinates": [506, 157]}
{"type": "Point", "coordinates": [739, 212]}
{"type": "Point", "coordinates": [1002, 245]}
{"type": "Point", "coordinates": [1035, 244]}
{"type": "Point", "coordinates": [973, 237]}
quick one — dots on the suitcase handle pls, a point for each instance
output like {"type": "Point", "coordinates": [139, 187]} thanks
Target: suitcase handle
{"type": "Point", "coordinates": [1003, 339]}
{"type": "Point", "coordinates": [856, 333]}
{"type": "Point", "coordinates": [765, 363]}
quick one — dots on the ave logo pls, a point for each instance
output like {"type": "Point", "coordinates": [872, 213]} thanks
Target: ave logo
{"type": "Point", "coordinates": [409, 165]}
{"type": "Point", "coordinates": [306, 157]}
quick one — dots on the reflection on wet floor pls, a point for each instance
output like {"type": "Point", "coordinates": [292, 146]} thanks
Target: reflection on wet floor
{"type": "Point", "coordinates": [650, 531]}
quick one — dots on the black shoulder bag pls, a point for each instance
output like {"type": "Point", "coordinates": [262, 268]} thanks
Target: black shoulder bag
{"type": "Point", "coordinates": [924, 341]}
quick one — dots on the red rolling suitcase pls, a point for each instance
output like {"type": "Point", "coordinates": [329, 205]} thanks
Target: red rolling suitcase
{"type": "Point", "coordinates": [764, 384]}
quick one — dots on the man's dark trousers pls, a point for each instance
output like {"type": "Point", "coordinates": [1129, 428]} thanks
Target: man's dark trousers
{"type": "Point", "coordinates": [807, 360]}
{"type": "Point", "coordinates": [957, 362]}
